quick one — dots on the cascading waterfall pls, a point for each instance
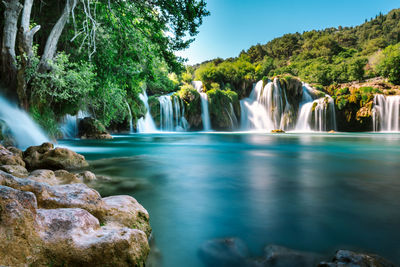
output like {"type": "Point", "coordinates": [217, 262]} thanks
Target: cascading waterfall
{"type": "Point", "coordinates": [130, 117]}
{"type": "Point", "coordinates": [205, 114]}
{"type": "Point", "coordinates": [23, 129]}
{"type": "Point", "coordinates": [69, 124]}
{"type": "Point", "coordinates": [316, 115]}
{"type": "Point", "coordinates": [172, 116]}
{"type": "Point", "coordinates": [146, 124]}
{"type": "Point", "coordinates": [232, 116]}
{"type": "Point", "coordinates": [386, 113]}
{"type": "Point", "coordinates": [267, 108]}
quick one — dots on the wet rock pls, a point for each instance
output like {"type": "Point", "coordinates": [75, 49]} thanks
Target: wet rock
{"type": "Point", "coordinates": [16, 151]}
{"type": "Point", "coordinates": [16, 170]}
{"type": "Point", "coordinates": [126, 211]}
{"type": "Point", "coordinates": [346, 258]}
{"type": "Point", "coordinates": [86, 176]}
{"type": "Point", "coordinates": [225, 252]}
{"type": "Point", "coordinates": [278, 131]}
{"type": "Point", "coordinates": [90, 128]}
{"type": "Point", "coordinates": [277, 256]}
{"type": "Point", "coordinates": [7, 157]}
{"type": "Point", "coordinates": [74, 237]}
{"type": "Point", "coordinates": [65, 177]}
{"type": "Point", "coordinates": [46, 157]}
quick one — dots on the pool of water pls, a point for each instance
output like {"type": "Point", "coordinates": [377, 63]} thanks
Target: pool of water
{"type": "Point", "coordinates": [312, 192]}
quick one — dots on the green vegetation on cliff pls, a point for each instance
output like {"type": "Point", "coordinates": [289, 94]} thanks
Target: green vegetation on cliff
{"type": "Point", "coordinates": [333, 55]}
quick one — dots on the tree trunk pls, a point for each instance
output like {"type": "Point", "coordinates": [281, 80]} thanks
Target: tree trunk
{"type": "Point", "coordinates": [8, 57]}
{"type": "Point", "coordinates": [25, 50]}
{"type": "Point", "coordinates": [51, 44]}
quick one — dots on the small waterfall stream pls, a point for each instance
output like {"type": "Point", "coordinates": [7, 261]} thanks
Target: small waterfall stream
{"type": "Point", "coordinates": [22, 128]}
{"type": "Point", "coordinates": [205, 114]}
{"type": "Point", "coordinates": [146, 124]}
{"type": "Point", "coordinates": [172, 116]}
{"type": "Point", "coordinates": [386, 113]}
{"type": "Point", "coordinates": [69, 124]}
{"type": "Point", "coordinates": [130, 117]}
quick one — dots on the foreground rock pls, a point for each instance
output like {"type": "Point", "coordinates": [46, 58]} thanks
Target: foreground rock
{"type": "Point", "coordinates": [90, 128]}
{"type": "Point", "coordinates": [52, 218]}
{"type": "Point", "coordinates": [234, 252]}
{"type": "Point", "coordinates": [344, 258]}
{"type": "Point", "coordinates": [48, 157]}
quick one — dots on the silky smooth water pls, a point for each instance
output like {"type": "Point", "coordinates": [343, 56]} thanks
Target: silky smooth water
{"type": "Point", "coordinates": [312, 192]}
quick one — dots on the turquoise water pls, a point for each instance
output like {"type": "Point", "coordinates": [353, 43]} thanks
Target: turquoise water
{"type": "Point", "coordinates": [313, 192]}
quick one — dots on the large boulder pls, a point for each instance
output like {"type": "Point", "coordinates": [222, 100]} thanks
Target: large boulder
{"type": "Point", "coordinates": [74, 237]}
{"type": "Point", "coordinates": [224, 109]}
{"type": "Point", "coordinates": [8, 157]}
{"type": "Point", "coordinates": [346, 258]}
{"type": "Point", "coordinates": [46, 156]}
{"type": "Point", "coordinates": [126, 211]}
{"type": "Point", "coordinates": [192, 102]}
{"type": "Point", "coordinates": [19, 242]}
{"type": "Point", "coordinates": [90, 128]}
{"type": "Point", "coordinates": [60, 225]}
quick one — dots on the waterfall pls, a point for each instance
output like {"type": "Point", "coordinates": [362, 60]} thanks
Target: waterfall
{"type": "Point", "coordinates": [386, 113]}
{"type": "Point", "coordinates": [172, 116]}
{"type": "Point", "coordinates": [146, 124]}
{"type": "Point", "coordinates": [318, 115]}
{"type": "Point", "coordinates": [130, 117]}
{"type": "Point", "coordinates": [267, 108]}
{"type": "Point", "coordinates": [205, 114]}
{"type": "Point", "coordinates": [69, 124]}
{"type": "Point", "coordinates": [232, 116]}
{"type": "Point", "coordinates": [23, 129]}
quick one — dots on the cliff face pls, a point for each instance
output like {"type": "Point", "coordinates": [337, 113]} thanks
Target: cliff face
{"type": "Point", "coordinates": [354, 102]}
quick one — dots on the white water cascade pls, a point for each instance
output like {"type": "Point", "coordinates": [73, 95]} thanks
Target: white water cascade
{"type": "Point", "coordinates": [267, 108]}
{"type": "Point", "coordinates": [69, 124]}
{"type": "Point", "coordinates": [146, 124]}
{"type": "Point", "coordinates": [172, 116]}
{"type": "Point", "coordinates": [386, 113]}
{"type": "Point", "coordinates": [130, 117]}
{"type": "Point", "coordinates": [205, 114]}
{"type": "Point", "coordinates": [316, 115]}
{"type": "Point", "coordinates": [23, 129]}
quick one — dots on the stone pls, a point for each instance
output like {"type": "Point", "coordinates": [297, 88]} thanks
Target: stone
{"type": "Point", "coordinates": [65, 177]}
{"type": "Point", "coordinates": [74, 238]}
{"type": "Point", "coordinates": [346, 258]}
{"type": "Point", "coordinates": [278, 256]}
{"type": "Point", "coordinates": [126, 211]}
{"type": "Point", "coordinates": [277, 131]}
{"type": "Point", "coordinates": [20, 244]}
{"type": "Point", "coordinates": [90, 128]}
{"type": "Point", "coordinates": [16, 170]}
{"type": "Point", "coordinates": [9, 158]}
{"type": "Point", "coordinates": [16, 151]}
{"type": "Point", "coordinates": [86, 176]}
{"type": "Point", "coordinates": [48, 157]}
{"type": "Point", "coordinates": [225, 252]}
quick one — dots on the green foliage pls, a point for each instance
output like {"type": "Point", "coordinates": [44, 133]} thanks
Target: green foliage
{"type": "Point", "coordinates": [219, 102]}
{"type": "Point", "coordinates": [64, 88]}
{"type": "Point", "coordinates": [341, 102]}
{"type": "Point", "coordinates": [389, 65]}
{"type": "Point", "coordinates": [46, 118]}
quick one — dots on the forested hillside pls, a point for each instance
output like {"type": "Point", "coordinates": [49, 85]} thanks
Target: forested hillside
{"type": "Point", "coordinates": [59, 57]}
{"type": "Point", "coordinates": [325, 57]}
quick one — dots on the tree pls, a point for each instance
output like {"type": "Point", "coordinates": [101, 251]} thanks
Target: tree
{"type": "Point", "coordinates": [389, 65]}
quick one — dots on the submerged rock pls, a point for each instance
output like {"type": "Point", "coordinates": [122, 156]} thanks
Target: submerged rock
{"type": "Point", "coordinates": [278, 131]}
{"type": "Point", "coordinates": [90, 128]}
{"type": "Point", "coordinates": [48, 157]}
{"type": "Point", "coordinates": [346, 258]}
{"type": "Point", "coordinates": [278, 256]}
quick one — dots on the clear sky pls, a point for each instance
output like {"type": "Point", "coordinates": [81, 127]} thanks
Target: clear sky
{"type": "Point", "coordinates": [235, 25]}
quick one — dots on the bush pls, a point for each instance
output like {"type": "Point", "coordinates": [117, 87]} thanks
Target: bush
{"type": "Point", "coordinates": [389, 65]}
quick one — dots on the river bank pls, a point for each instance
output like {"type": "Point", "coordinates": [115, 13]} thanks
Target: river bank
{"type": "Point", "coordinates": [50, 217]}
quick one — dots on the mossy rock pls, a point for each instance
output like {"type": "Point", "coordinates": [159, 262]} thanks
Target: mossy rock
{"type": "Point", "coordinates": [220, 109]}
{"type": "Point", "coordinates": [154, 105]}
{"type": "Point", "coordinates": [192, 101]}
{"type": "Point", "coordinates": [90, 128]}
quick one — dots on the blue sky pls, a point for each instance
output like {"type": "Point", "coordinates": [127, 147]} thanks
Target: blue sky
{"type": "Point", "coordinates": [235, 25]}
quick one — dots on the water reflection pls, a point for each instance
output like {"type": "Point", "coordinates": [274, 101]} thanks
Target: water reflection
{"type": "Point", "coordinates": [314, 192]}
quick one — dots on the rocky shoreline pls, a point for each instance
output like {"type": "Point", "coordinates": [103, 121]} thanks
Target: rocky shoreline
{"type": "Point", "coordinates": [49, 216]}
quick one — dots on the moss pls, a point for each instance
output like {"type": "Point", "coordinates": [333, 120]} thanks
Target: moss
{"type": "Point", "coordinates": [154, 106]}
{"type": "Point", "coordinates": [192, 101]}
{"type": "Point", "coordinates": [219, 108]}
{"type": "Point", "coordinates": [341, 102]}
